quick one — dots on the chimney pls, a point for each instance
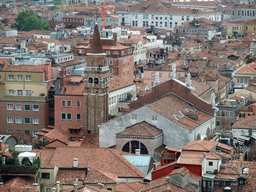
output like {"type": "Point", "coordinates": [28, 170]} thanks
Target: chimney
{"type": "Point", "coordinates": [75, 162]}
{"type": "Point", "coordinates": [75, 186]}
{"type": "Point", "coordinates": [162, 162]}
{"type": "Point", "coordinates": [62, 75]}
{"type": "Point", "coordinates": [1, 184]}
{"type": "Point", "coordinates": [58, 186]}
{"type": "Point", "coordinates": [154, 166]}
{"type": "Point", "coordinates": [137, 151]}
{"type": "Point", "coordinates": [36, 186]}
{"type": "Point", "coordinates": [115, 38]}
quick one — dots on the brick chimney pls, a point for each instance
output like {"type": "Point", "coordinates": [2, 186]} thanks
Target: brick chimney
{"type": "Point", "coordinates": [62, 75]}
{"type": "Point", "coordinates": [115, 38]}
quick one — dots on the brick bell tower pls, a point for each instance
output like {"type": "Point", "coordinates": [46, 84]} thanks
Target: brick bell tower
{"type": "Point", "coordinates": [96, 86]}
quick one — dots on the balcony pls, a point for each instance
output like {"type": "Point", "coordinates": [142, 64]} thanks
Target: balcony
{"type": "Point", "coordinates": [105, 68]}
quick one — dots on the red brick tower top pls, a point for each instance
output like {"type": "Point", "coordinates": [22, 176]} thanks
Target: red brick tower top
{"type": "Point", "coordinates": [95, 42]}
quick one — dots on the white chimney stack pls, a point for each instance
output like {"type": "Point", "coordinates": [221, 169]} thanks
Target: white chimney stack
{"type": "Point", "coordinates": [137, 151]}
{"type": "Point", "coordinates": [75, 162]}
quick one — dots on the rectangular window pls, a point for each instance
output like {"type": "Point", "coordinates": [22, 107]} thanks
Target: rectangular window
{"type": "Point", "coordinates": [210, 163]}
{"type": "Point", "coordinates": [69, 104]}
{"type": "Point", "coordinates": [27, 120]}
{"type": "Point", "coordinates": [19, 78]}
{"type": "Point", "coordinates": [160, 74]}
{"type": "Point", "coordinates": [78, 116]}
{"type": "Point", "coordinates": [27, 107]}
{"type": "Point", "coordinates": [9, 130]}
{"type": "Point", "coordinates": [20, 92]}
{"type": "Point", "coordinates": [35, 107]}
{"type": "Point", "coordinates": [217, 123]}
{"type": "Point", "coordinates": [9, 119]}
{"type": "Point", "coordinates": [111, 71]}
{"type": "Point", "coordinates": [18, 130]}
{"type": "Point", "coordinates": [28, 78]}
{"type": "Point", "coordinates": [28, 92]}
{"type": "Point", "coordinates": [78, 103]}
{"type": "Point", "coordinates": [11, 77]}
{"type": "Point", "coordinates": [11, 92]}
{"type": "Point", "coordinates": [34, 133]}
{"type": "Point", "coordinates": [18, 120]}
{"type": "Point", "coordinates": [27, 132]}
{"type": "Point", "coordinates": [18, 107]}
{"type": "Point", "coordinates": [9, 106]}
{"type": "Point", "coordinates": [108, 53]}
{"type": "Point", "coordinates": [45, 175]}
{"type": "Point", "coordinates": [69, 116]}
{"type": "Point", "coordinates": [35, 120]}
{"type": "Point", "coordinates": [110, 62]}
{"type": "Point", "coordinates": [152, 74]}
{"type": "Point", "coordinates": [63, 103]}
{"type": "Point", "coordinates": [63, 116]}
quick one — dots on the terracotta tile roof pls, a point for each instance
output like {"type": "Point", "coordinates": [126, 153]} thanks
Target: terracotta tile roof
{"type": "Point", "coordinates": [72, 89]}
{"type": "Point", "coordinates": [46, 157]}
{"type": "Point", "coordinates": [68, 177]}
{"type": "Point", "coordinates": [22, 68]}
{"type": "Point", "coordinates": [247, 69]}
{"type": "Point", "coordinates": [200, 87]}
{"type": "Point", "coordinates": [115, 83]}
{"type": "Point", "coordinates": [223, 146]}
{"type": "Point", "coordinates": [98, 176]}
{"type": "Point", "coordinates": [129, 187]}
{"type": "Point", "coordinates": [40, 32]}
{"type": "Point", "coordinates": [212, 156]}
{"type": "Point", "coordinates": [102, 159]}
{"type": "Point", "coordinates": [165, 184]}
{"type": "Point", "coordinates": [181, 171]}
{"type": "Point", "coordinates": [18, 184]}
{"type": "Point", "coordinates": [191, 158]}
{"type": "Point", "coordinates": [200, 145]}
{"type": "Point", "coordinates": [245, 123]}
{"type": "Point", "coordinates": [170, 107]}
{"type": "Point", "coordinates": [91, 188]}
{"type": "Point", "coordinates": [142, 129]}
{"type": "Point", "coordinates": [173, 149]}
{"type": "Point", "coordinates": [8, 40]}
{"type": "Point", "coordinates": [161, 184]}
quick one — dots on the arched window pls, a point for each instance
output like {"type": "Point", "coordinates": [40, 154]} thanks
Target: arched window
{"type": "Point", "coordinates": [198, 137]}
{"type": "Point", "coordinates": [96, 80]}
{"type": "Point", "coordinates": [131, 147]}
{"type": "Point", "coordinates": [90, 80]}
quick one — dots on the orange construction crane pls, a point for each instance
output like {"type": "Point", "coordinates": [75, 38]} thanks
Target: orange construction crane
{"type": "Point", "coordinates": [104, 15]}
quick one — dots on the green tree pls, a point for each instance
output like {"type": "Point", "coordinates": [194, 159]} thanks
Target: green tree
{"type": "Point", "coordinates": [27, 21]}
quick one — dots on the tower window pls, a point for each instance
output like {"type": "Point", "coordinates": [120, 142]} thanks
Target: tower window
{"type": "Point", "coordinates": [96, 80]}
{"type": "Point", "coordinates": [90, 80]}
